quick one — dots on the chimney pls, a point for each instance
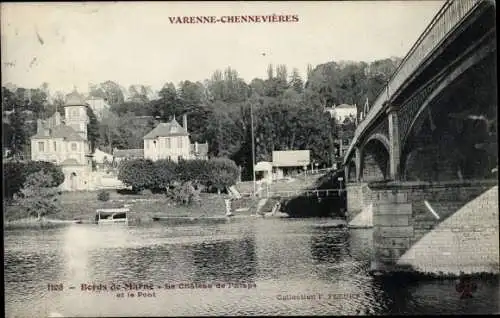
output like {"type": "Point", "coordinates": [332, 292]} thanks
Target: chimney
{"type": "Point", "coordinates": [185, 122]}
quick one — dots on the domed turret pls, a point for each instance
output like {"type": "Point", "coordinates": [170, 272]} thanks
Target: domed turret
{"type": "Point", "coordinates": [76, 113]}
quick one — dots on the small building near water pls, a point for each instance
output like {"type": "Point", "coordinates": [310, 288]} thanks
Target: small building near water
{"type": "Point", "coordinates": [265, 169]}
{"type": "Point", "coordinates": [287, 161]}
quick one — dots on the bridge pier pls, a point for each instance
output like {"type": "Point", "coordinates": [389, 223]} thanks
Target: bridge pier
{"type": "Point", "coordinates": [357, 160]}
{"type": "Point", "coordinates": [358, 198]}
{"type": "Point", "coordinates": [404, 212]}
{"type": "Point", "coordinates": [394, 140]}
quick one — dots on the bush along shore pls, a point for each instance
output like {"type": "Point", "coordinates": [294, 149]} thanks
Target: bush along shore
{"type": "Point", "coordinates": [186, 187]}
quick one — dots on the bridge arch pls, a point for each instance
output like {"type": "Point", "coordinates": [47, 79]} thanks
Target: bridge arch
{"type": "Point", "coordinates": [446, 138]}
{"type": "Point", "coordinates": [374, 165]}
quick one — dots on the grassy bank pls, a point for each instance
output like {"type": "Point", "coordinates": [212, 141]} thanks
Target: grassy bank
{"type": "Point", "coordinates": [31, 223]}
{"type": "Point", "coordinates": [82, 205]}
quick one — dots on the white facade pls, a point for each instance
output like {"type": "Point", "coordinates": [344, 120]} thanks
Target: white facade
{"type": "Point", "coordinates": [64, 143]}
{"type": "Point", "coordinates": [57, 150]}
{"type": "Point", "coordinates": [173, 148]}
{"type": "Point", "coordinates": [101, 156]}
{"type": "Point", "coordinates": [341, 112]}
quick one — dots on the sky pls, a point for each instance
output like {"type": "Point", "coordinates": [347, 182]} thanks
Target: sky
{"type": "Point", "coordinates": [73, 44]}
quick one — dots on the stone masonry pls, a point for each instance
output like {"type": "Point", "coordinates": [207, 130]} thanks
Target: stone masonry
{"type": "Point", "coordinates": [359, 196]}
{"type": "Point", "coordinates": [401, 219]}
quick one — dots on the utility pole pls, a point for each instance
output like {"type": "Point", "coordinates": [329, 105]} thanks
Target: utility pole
{"type": "Point", "coordinates": [253, 149]}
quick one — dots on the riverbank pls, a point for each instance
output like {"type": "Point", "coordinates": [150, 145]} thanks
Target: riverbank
{"type": "Point", "coordinates": [42, 223]}
{"type": "Point", "coordinates": [143, 207]}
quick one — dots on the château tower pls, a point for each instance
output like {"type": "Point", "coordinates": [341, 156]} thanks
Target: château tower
{"type": "Point", "coordinates": [76, 113]}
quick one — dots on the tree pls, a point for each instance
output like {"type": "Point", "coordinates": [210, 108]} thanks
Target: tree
{"type": "Point", "coordinates": [109, 134]}
{"type": "Point", "coordinates": [296, 81]}
{"type": "Point", "coordinates": [8, 100]}
{"type": "Point", "coordinates": [15, 174]}
{"type": "Point", "coordinates": [168, 104]}
{"type": "Point", "coordinates": [37, 196]}
{"type": "Point", "coordinates": [139, 93]}
{"type": "Point", "coordinates": [109, 91]}
{"type": "Point", "coordinates": [185, 194]}
{"type": "Point", "coordinates": [92, 130]}
{"type": "Point", "coordinates": [166, 173]}
{"type": "Point", "coordinates": [132, 130]}
{"type": "Point", "coordinates": [270, 72]}
{"type": "Point", "coordinates": [224, 173]}
{"type": "Point", "coordinates": [17, 133]}
{"type": "Point", "coordinates": [191, 98]}
{"type": "Point", "coordinates": [139, 174]}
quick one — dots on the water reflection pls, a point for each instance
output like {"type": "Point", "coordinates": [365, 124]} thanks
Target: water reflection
{"type": "Point", "coordinates": [329, 246]}
{"type": "Point", "coordinates": [283, 257]}
{"type": "Point", "coordinates": [230, 261]}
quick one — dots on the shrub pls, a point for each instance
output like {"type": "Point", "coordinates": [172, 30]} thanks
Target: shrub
{"type": "Point", "coordinates": [185, 194]}
{"type": "Point", "coordinates": [103, 196]}
{"type": "Point", "coordinates": [223, 173]}
{"type": "Point", "coordinates": [37, 197]}
{"type": "Point", "coordinates": [16, 173]}
{"type": "Point", "coordinates": [140, 174]}
{"type": "Point", "coordinates": [165, 174]}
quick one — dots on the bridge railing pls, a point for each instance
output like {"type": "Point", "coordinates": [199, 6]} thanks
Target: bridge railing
{"type": "Point", "coordinates": [306, 193]}
{"type": "Point", "coordinates": [449, 16]}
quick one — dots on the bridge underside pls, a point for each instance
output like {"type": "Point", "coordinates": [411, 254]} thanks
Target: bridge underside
{"type": "Point", "coordinates": [455, 138]}
{"type": "Point", "coordinates": [434, 144]}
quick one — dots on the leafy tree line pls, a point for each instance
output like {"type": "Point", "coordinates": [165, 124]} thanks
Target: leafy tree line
{"type": "Point", "coordinates": [15, 175]}
{"type": "Point", "coordinates": [287, 110]}
{"type": "Point", "coordinates": [162, 175]}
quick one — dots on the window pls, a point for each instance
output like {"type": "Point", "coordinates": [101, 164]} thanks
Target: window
{"type": "Point", "coordinates": [168, 143]}
{"type": "Point", "coordinates": [41, 145]}
{"type": "Point", "coordinates": [55, 146]}
{"type": "Point", "coordinates": [179, 142]}
{"type": "Point", "coordinates": [73, 146]}
{"type": "Point", "coordinates": [74, 113]}
{"type": "Point", "coordinates": [179, 158]}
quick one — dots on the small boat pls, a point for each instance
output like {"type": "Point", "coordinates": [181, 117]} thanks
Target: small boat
{"type": "Point", "coordinates": [112, 216]}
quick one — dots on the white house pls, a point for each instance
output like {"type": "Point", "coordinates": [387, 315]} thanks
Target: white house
{"type": "Point", "coordinates": [63, 141]}
{"type": "Point", "coordinates": [343, 111]}
{"type": "Point", "coordinates": [100, 157]}
{"type": "Point", "coordinates": [171, 141]}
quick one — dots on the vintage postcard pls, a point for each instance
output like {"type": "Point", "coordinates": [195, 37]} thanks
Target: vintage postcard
{"type": "Point", "coordinates": [250, 158]}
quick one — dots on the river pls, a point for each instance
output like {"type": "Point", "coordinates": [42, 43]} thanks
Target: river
{"type": "Point", "coordinates": [276, 267]}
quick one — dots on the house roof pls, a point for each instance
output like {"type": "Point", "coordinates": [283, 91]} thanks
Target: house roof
{"type": "Point", "coordinates": [75, 99]}
{"type": "Point", "coordinates": [60, 131]}
{"type": "Point", "coordinates": [264, 166]}
{"type": "Point", "coordinates": [128, 153]}
{"type": "Point", "coordinates": [202, 149]}
{"type": "Point", "coordinates": [170, 129]}
{"type": "Point", "coordinates": [345, 106]}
